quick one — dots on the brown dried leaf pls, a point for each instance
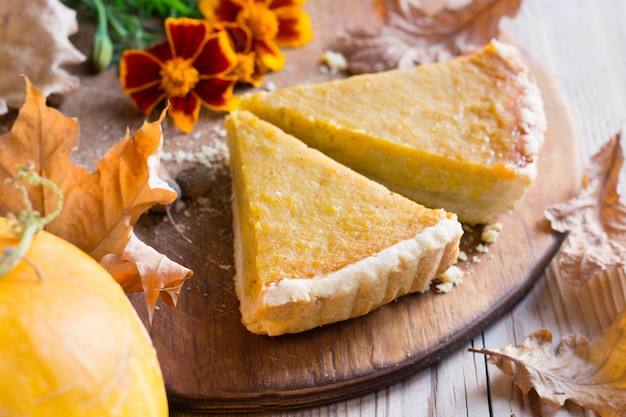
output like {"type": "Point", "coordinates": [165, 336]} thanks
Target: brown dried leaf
{"type": "Point", "coordinates": [410, 36]}
{"type": "Point", "coordinates": [592, 375]}
{"type": "Point", "coordinates": [595, 219]}
{"type": "Point", "coordinates": [34, 42]}
{"type": "Point", "coordinates": [100, 208]}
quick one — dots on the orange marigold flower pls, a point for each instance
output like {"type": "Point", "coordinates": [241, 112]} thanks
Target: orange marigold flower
{"type": "Point", "coordinates": [272, 23]}
{"type": "Point", "coordinates": [246, 70]}
{"type": "Point", "coordinates": [190, 69]}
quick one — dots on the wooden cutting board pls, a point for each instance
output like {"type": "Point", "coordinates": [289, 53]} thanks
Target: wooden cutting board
{"type": "Point", "coordinates": [209, 360]}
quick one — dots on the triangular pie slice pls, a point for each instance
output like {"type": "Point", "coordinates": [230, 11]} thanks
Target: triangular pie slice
{"type": "Point", "coordinates": [316, 242]}
{"type": "Point", "coordinates": [462, 135]}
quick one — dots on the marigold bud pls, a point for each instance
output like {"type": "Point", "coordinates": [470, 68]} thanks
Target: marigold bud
{"type": "Point", "coordinates": [102, 52]}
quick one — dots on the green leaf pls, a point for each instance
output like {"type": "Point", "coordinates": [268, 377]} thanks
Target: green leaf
{"type": "Point", "coordinates": [132, 22]}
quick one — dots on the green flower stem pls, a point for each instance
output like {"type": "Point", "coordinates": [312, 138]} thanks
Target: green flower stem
{"type": "Point", "coordinates": [102, 14]}
{"type": "Point", "coordinates": [102, 53]}
{"type": "Point", "coordinates": [29, 222]}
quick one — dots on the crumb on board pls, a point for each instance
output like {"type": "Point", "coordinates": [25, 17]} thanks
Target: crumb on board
{"type": "Point", "coordinates": [452, 277]}
{"type": "Point", "coordinates": [180, 205]}
{"type": "Point", "coordinates": [333, 62]}
{"type": "Point", "coordinates": [482, 248]}
{"type": "Point", "coordinates": [212, 156]}
{"type": "Point", "coordinates": [219, 131]}
{"type": "Point", "coordinates": [444, 287]}
{"type": "Point", "coordinates": [491, 232]}
{"type": "Point", "coordinates": [269, 86]}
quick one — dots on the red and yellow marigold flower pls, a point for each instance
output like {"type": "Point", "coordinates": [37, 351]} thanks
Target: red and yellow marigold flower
{"type": "Point", "coordinates": [246, 71]}
{"type": "Point", "coordinates": [272, 24]}
{"type": "Point", "coordinates": [190, 69]}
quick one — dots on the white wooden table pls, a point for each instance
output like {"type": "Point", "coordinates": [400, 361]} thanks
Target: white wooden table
{"type": "Point", "coordinates": [582, 43]}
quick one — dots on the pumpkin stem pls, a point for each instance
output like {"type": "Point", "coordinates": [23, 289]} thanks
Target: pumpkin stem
{"type": "Point", "coordinates": [29, 221]}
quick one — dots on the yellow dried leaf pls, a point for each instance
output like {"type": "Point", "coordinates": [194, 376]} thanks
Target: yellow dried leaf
{"type": "Point", "coordinates": [100, 208]}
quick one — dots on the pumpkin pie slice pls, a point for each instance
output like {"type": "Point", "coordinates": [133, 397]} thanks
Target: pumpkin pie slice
{"type": "Point", "coordinates": [316, 242]}
{"type": "Point", "coordinates": [462, 135]}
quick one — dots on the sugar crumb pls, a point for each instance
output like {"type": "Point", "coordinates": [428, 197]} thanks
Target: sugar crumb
{"type": "Point", "coordinates": [219, 131]}
{"type": "Point", "coordinates": [211, 156]}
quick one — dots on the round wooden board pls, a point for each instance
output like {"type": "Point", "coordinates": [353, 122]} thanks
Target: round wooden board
{"type": "Point", "coordinates": [210, 362]}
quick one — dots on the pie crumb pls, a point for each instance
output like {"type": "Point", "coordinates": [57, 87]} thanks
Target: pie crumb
{"type": "Point", "coordinates": [482, 248]}
{"type": "Point", "coordinates": [334, 61]}
{"type": "Point", "coordinates": [451, 278]}
{"type": "Point", "coordinates": [491, 232]}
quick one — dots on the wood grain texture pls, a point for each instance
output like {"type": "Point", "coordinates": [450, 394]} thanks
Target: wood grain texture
{"type": "Point", "coordinates": [582, 43]}
{"type": "Point", "coordinates": [210, 362]}
{"type": "Point", "coordinates": [580, 46]}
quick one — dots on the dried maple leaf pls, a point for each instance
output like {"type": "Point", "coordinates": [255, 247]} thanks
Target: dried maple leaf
{"type": "Point", "coordinates": [592, 375]}
{"type": "Point", "coordinates": [34, 42]}
{"type": "Point", "coordinates": [99, 208]}
{"type": "Point", "coordinates": [410, 36]}
{"type": "Point", "coordinates": [595, 219]}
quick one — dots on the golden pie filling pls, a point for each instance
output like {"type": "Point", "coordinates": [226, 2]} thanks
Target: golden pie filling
{"type": "Point", "coordinates": [308, 217]}
{"type": "Point", "coordinates": [449, 135]}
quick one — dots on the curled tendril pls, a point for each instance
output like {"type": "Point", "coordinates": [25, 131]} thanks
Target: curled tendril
{"type": "Point", "coordinates": [29, 221]}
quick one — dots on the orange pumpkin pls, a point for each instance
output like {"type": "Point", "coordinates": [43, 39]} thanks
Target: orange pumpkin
{"type": "Point", "coordinates": [71, 343]}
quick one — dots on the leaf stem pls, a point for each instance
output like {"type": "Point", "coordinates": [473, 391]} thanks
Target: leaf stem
{"type": "Point", "coordinates": [12, 255]}
{"type": "Point", "coordinates": [29, 222]}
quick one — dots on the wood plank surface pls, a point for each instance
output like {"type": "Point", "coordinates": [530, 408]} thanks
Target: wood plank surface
{"type": "Point", "coordinates": [581, 45]}
{"type": "Point", "coordinates": [211, 363]}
